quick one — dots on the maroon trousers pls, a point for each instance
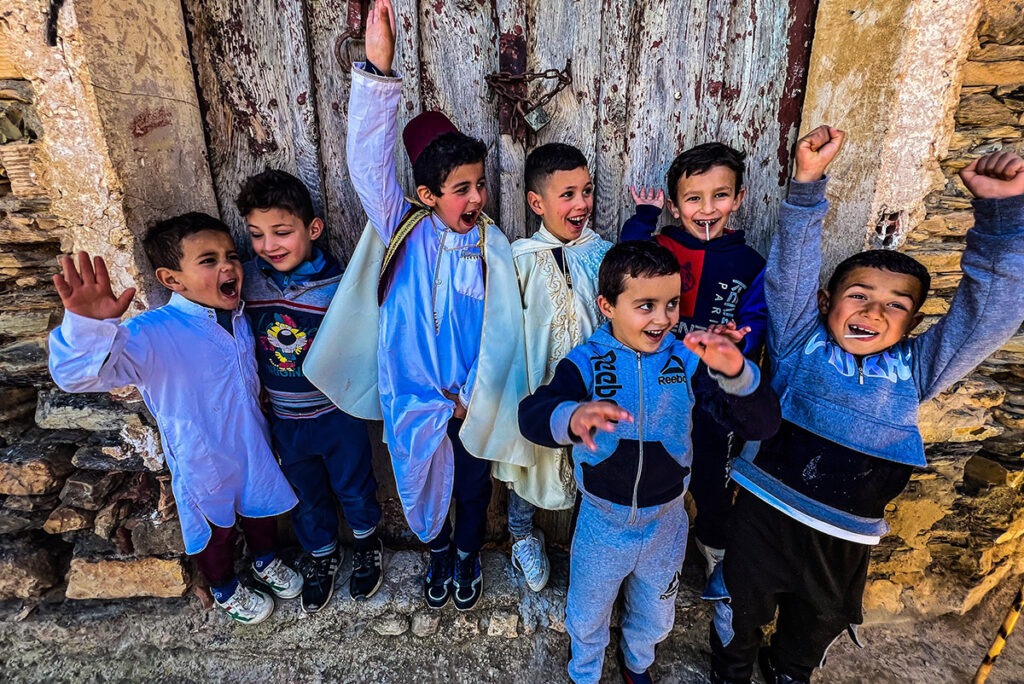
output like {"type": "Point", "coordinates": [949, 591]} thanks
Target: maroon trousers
{"type": "Point", "coordinates": [217, 561]}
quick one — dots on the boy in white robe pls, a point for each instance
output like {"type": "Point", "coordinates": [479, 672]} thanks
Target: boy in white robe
{"type": "Point", "coordinates": [557, 272]}
{"type": "Point", "coordinates": [194, 363]}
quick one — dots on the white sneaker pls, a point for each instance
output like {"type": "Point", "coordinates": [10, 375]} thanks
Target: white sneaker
{"type": "Point", "coordinates": [528, 556]}
{"type": "Point", "coordinates": [711, 555]}
{"type": "Point", "coordinates": [248, 606]}
{"type": "Point", "coordinates": [280, 579]}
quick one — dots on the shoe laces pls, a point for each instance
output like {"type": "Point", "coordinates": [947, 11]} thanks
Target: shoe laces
{"type": "Point", "coordinates": [465, 568]}
{"type": "Point", "coordinates": [276, 572]}
{"type": "Point", "coordinates": [316, 566]}
{"type": "Point", "coordinates": [440, 567]}
{"type": "Point", "coordinates": [529, 555]}
{"type": "Point", "coordinates": [245, 599]}
{"type": "Point", "coordinates": [363, 561]}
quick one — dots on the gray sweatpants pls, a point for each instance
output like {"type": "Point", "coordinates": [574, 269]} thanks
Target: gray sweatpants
{"type": "Point", "coordinates": [607, 552]}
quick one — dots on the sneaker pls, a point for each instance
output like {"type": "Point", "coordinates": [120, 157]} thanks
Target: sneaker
{"type": "Point", "coordinates": [628, 676]}
{"type": "Point", "coordinates": [248, 606]}
{"type": "Point", "coordinates": [528, 556]}
{"type": "Point", "coordinates": [367, 568]}
{"type": "Point", "coordinates": [318, 574]}
{"type": "Point", "coordinates": [712, 556]}
{"type": "Point", "coordinates": [469, 581]}
{"type": "Point", "coordinates": [437, 585]}
{"type": "Point", "coordinates": [284, 582]}
{"type": "Point", "coordinates": [771, 675]}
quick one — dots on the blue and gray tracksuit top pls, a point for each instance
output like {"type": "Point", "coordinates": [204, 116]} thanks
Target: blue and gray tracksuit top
{"type": "Point", "coordinates": [850, 437]}
{"type": "Point", "coordinates": [646, 462]}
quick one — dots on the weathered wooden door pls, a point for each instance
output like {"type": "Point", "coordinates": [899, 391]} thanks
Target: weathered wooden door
{"type": "Point", "coordinates": [650, 77]}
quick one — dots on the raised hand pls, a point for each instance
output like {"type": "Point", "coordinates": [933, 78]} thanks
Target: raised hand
{"type": "Point", "coordinates": [815, 151]}
{"type": "Point", "coordinates": [730, 330]}
{"type": "Point", "coordinates": [718, 351]}
{"type": "Point", "coordinates": [994, 176]}
{"type": "Point", "coordinates": [86, 290]}
{"type": "Point", "coordinates": [647, 196]}
{"type": "Point", "coordinates": [380, 35]}
{"type": "Point", "coordinates": [596, 415]}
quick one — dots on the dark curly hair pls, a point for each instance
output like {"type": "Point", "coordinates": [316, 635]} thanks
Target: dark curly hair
{"type": "Point", "coordinates": [275, 189]}
{"type": "Point", "coordinates": [163, 239]}
{"type": "Point", "coordinates": [699, 159]}
{"type": "Point", "coordinates": [637, 259]}
{"type": "Point", "coordinates": [443, 155]}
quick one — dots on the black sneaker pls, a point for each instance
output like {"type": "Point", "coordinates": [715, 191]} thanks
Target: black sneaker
{"type": "Point", "coordinates": [318, 575]}
{"type": "Point", "coordinates": [437, 585]}
{"type": "Point", "coordinates": [367, 567]}
{"type": "Point", "coordinates": [771, 674]}
{"type": "Point", "coordinates": [469, 581]}
{"type": "Point", "coordinates": [628, 676]}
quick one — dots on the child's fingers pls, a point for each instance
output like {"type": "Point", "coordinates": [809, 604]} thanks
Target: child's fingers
{"type": "Point", "coordinates": [634, 195]}
{"type": "Point", "coordinates": [126, 298]}
{"type": "Point", "coordinates": [100, 269]}
{"type": "Point", "coordinates": [63, 289]}
{"type": "Point", "coordinates": [85, 269]}
{"type": "Point", "coordinates": [67, 265]}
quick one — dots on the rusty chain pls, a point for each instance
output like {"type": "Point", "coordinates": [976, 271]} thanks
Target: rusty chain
{"type": "Point", "coordinates": [513, 88]}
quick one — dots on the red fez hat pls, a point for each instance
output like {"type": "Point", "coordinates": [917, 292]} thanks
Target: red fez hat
{"type": "Point", "coordinates": [423, 130]}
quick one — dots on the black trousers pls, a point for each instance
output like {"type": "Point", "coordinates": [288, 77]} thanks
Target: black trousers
{"type": "Point", "coordinates": [816, 582]}
{"type": "Point", "coordinates": [471, 495]}
{"type": "Point", "coordinates": [709, 479]}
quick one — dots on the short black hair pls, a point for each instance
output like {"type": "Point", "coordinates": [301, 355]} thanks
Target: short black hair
{"type": "Point", "coordinates": [636, 259]}
{"type": "Point", "coordinates": [885, 260]}
{"type": "Point", "coordinates": [163, 239]}
{"type": "Point", "coordinates": [699, 159]}
{"type": "Point", "coordinates": [546, 159]}
{"type": "Point", "coordinates": [444, 154]}
{"type": "Point", "coordinates": [276, 189]}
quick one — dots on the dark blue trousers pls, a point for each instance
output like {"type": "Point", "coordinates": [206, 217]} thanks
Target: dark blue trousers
{"type": "Point", "coordinates": [327, 461]}
{"type": "Point", "coordinates": [471, 495]}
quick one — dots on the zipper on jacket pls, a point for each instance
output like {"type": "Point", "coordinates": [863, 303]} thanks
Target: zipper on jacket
{"type": "Point", "coordinates": [860, 371]}
{"type": "Point", "coordinates": [640, 434]}
{"type": "Point", "coordinates": [436, 281]}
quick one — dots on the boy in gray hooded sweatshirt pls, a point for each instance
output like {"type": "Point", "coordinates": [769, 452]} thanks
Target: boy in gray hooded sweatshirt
{"type": "Point", "coordinates": [850, 383]}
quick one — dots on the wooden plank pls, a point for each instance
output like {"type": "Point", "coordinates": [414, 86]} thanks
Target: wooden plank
{"type": "Point", "coordinates": [574, 111]}
{"type": "Point", "coordinates": [512, 41]}
{"type": "Point", "coordinates": [252, 66]}
{"type": "Point", "coordinates": [457, 49]}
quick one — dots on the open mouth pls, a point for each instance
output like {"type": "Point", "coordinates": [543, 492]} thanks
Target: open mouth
{"type": "Point", "coordinates": [469, 218]}
{"type": "Point", "coordinates": [577, 221]}
{"type": "Point", "coordinates": [706, 225]}
{"type": "Point", "coordinates": [229, 288]}
{"type": "Point", "coordinates": [856, 332]}
{"type": "Point", "coordinates": [276, 258]}
{"type": "Point", "coordinates": [655, 335]}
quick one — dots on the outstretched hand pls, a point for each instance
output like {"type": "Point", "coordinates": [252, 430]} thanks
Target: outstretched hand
{"type": "Point", "coordinates": [815, 151]}
{"type": "Point", "coordinates": [645, 195]}
{"type": "Point", "coordinates": [995, 176]}
{"type": "Point", "coordinates": [380, 35]}
{"type": "Point", "coordinates": [596, 415]}
{"type": "Point", "coordinates": [86, 290]}
{"type": "Point", "coordinates": [730, 330]}
{"type": "Point", "coordinates": [719, 352]}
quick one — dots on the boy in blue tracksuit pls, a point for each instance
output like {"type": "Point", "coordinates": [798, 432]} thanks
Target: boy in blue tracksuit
{"type": "Point", "coordinates": [722, 281]}
{"type": "Point", "coordinates": [324, 452]}
{"type": "Point", "coordinates": [623, 400]}
{"type": "Point", "coordinates": [851, 382]}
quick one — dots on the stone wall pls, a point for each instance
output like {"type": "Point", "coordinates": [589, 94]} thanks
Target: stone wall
{"type": "Point", "coordinates": [957, 530]}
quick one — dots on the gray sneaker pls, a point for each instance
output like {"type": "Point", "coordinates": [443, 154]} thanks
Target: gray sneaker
{"type": "Point", "coordinates": [248, 606]}
{"type": "Point", "coordinates": [528, 556]}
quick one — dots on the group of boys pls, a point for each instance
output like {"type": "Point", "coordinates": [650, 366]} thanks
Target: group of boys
{"type": "Point", "coordinates": [581, 374]}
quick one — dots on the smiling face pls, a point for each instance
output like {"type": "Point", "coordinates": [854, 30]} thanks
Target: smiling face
{"type": "Point", "coordinates": [704, 201]}
{"type": "Point", "coordinates": [564, 202]}
{"type": "Point", "coordinates": [871, 309]}
{"type": "Point", "coordinates": [210, 271]}
{"type": "Point", "coordinates": [280, 238]}
{"type": "Point", "coordinates": [462, 199]}
{"type": "Point", "coordinates": [644, 312]}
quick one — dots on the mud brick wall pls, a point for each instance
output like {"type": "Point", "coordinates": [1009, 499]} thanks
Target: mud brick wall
{"type": "Point", "coordinates": [957, 530]}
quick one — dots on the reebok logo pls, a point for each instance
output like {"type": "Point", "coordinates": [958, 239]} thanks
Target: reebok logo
{"type": "Point", "coordinates": [673, 373]}
{"type": "Point", "coordinates": [606, 381]}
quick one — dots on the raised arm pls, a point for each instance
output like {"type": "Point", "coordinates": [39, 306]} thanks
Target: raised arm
{"type": "Point", "coordinates": [643, 224]}
{"type": "Point", "coordinates": [794, 262]}
{"type": "Point", "coordinates": [988, 307]}
{"type": "Point", "coordinates": [87, 350]}
{"type": "Point", "coordinates": [373, 125]}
